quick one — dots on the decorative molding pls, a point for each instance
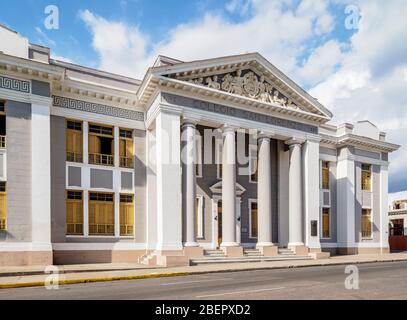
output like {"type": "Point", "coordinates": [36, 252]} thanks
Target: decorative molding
{"type": "Point", "coordinates": [80, 105]}
{"type": "Point", "coordinates": [237, 113]}
{"type": "Point", "coordinates": [15, 84]}
{"type": "Point", "coordinates": [248, 84]}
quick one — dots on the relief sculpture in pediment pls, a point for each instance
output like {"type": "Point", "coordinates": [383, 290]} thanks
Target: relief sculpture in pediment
{"type": "Point", "coordinates": [246, 84]}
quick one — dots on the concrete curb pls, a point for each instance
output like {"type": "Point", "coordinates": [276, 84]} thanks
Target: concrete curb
{"type": "Point", "coordinates": [90, 280]}
{"type": "Point", "coordinates": [179, 274]}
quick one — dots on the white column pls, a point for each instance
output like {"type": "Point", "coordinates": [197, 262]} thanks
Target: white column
{"type": "Point", "coordinates": [189, 182]}
{"type": "Point", "coordinates": [264, 204]}
{"type": "Point", "coordinates": [85, 137]}
{"type": "Point", "coordinates": [384, 209]}
{"type": "Point", "coordinates": [311, 169]}
{"type": "Point", "coordinates": [116, 148]}
{"type": "Point", "coordinates": [346, 199]}
{"type": "Point", "coordinates": [168, 173]}
{"type": "Point", "coordinates": [41, 176]}
{"type": "Point", "coordinates": [229, 188]}
{"type": "Point", "coordinates": [295, 227]}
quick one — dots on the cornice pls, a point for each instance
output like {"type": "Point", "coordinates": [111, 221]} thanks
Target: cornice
{"type": "Point", "coordinates": [358, 141]}
{"type": "Point", "coordinates": [166, 84]}
{"type": "Point", "coordinates": [30, 68]}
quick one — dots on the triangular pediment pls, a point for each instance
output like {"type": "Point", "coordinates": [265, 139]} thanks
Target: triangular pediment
{"type": "Point", "coordinates": [217, 188]}
{"type": "Point", "coordinates": [248, 76]}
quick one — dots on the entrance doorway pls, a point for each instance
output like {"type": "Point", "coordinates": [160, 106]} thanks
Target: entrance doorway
{"type": "Point", "coordinates": [219, 223]}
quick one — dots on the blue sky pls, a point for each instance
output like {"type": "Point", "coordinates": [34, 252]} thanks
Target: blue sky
{"type": "Point", "coordinates": [358, 73]}
{"type": "Point", "coordinates": [154, 18]}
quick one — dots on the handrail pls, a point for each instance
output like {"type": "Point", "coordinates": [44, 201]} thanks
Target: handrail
{"type": "Point", "coordinates": [104, 159]}
{"type": "Point", "coordinates": [126, 162]}
{"type": "Point", "coordinates": [74, 157]}
{"type": "Point", "coordinates": [101, 229]}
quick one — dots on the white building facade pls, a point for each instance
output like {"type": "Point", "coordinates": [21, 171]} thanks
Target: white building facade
{"type": "Point", "coordinates": [225, 153]}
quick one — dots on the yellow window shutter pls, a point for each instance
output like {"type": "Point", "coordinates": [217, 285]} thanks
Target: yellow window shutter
{"type": "Point", "coordinates": [129, 148]}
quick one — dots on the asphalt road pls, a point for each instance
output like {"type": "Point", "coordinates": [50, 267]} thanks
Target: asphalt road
{"type": "Point", "coordinates": [376, 281]}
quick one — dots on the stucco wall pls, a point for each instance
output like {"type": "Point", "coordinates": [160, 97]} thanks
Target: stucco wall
{"type": "Point", "coordinates": [18, 123]}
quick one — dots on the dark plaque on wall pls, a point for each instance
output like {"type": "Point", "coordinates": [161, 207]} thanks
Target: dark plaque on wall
{"type": "Point", "coordinates": [314, 228]}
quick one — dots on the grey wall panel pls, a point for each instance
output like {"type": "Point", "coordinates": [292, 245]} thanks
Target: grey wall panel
{"type": "Point", "coordinates": [101, 178]}
{"type": "Point", "coordinates": [58, 179]}
{"type": "Point", "coordinates": [127, 180]}
{"type": "Point", "coordinates": [327, 151]}
{"type": "Point", "coordinates": [140, 185]}
{"type": "Point", "coordinates": [376, 203]}
{"type": "Point", "coordinates": [358, 201]}
{"type": "Point", "coordinates": [18, 122]}
{"type": "Point", "coordinates": [367, 154]}
{"type": "Point", "coordinates": [385, 156]}
{"type": "Point", "coordinates": [41, 88]}
{"type": "Point", "coordinates": [333, 190]}
{"type": "Point", "coordinates": [74, 176]}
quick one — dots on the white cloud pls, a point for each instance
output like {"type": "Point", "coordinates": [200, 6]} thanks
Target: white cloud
{"type": "Point", "coordinates": [121, 48]}
{"type": "Point", "coordinates": [322, 62]}
{"type": "Point", "coordinates": [364, 78]}
{"type": "Point", "coordinates": [371, 82]}
{"type": "Point", "coordinates": [61, 58]}
{"type": "Point", "coordinates": [272, 29]}
{"type": "Point", "coordinates": [44, 39]}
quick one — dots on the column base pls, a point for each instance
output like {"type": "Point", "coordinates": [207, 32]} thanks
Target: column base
{"type": "Point", "coordinates": [317, 253]}
{"type": "Point", "coordinates": [233, 252]}
{"type": "Point", "coordinates": [268, 250]}
{"type": "Point", "coordinates": [171, 259]}
{"type": "Point", "coordinates": [191, 244]}
{"type": "Point", "coordinates": [299, 250]}
{"type": "Point", "coordinates": [193, 252]}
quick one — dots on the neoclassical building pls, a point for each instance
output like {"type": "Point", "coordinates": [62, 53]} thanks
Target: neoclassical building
{"type": "Point", "coordinates": [222, 157]}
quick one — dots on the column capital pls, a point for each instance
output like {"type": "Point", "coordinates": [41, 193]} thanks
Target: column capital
{"type": "Point", "coordinates": [226, 128]}
{"type": "Point", "coordinates": [265, 135]}
{"type": "Point", "coordinates": [294, 141]}
{"type": "Point", "coordinates": [189, 121]}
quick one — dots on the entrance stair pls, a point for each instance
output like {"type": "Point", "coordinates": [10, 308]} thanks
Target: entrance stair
{"type": "Point", "coordinates": [250, 255]}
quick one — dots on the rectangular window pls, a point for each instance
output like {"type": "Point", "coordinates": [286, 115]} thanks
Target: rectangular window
{"type": "Point", "coordinates": [3, 143]}
{"type": "Point", "coordinates": [366, 177]}
{"type": "Point", "coordinates": [74, 212]}
{"type": "Point", "coordinates": [3, 206]}
{"type": "Point", "coordinates": [253, 219]}
{"type": "Point", "coordinates": [253, 163]}
{"type": "Point", "coordinates": [325, 175]}
{"type": "Point", "coordinates": [366, 223]}
{"type": "Point", "coordinates": [199, 217]}
{"type": "Point", "coordinates": [74, 141]}
{"type": "Point", "coordinates": [326, 223]}
{"type": "Point", "coordinates": [101, 214]}
{"type": "Point", "coordinates": [126, 148]}
{"type": "Point", "coordinates": [101, 145]}
{"type": "Point", "coordinates": [126, 215]}
{"type": "Point", "coordinates": [397, 227]}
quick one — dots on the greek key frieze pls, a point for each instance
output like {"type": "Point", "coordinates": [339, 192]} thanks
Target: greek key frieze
{"type": "Point", "coordinates": [86, 106]}
{"type": "Point", "coordinates": [15, 84]}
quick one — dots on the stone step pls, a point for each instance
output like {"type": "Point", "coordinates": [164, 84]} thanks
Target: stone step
{"type": "Point", "coordinates": [215, 260]}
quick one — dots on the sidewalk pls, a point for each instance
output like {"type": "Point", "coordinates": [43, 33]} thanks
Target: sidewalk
{"type": "Point", "coordinates": [28, 276]}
